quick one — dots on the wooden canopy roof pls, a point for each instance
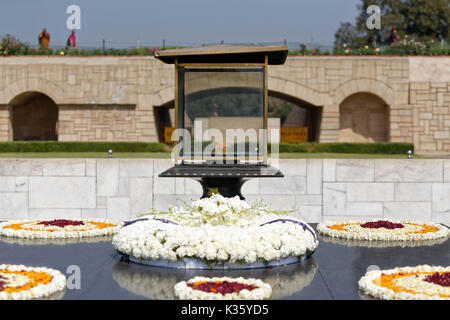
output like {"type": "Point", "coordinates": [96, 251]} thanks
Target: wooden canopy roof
{"type": "Point", "coordinates": [225, 53]}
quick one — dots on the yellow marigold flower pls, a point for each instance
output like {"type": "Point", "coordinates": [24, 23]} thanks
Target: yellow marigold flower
{"type": "Point", "coordinates": [61, 53]}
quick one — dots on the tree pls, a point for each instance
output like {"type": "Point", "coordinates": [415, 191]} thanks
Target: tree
{"type": "Point", "coordinates": [391, 17]}
{"type": "Point", "coordinates": [347, 36]}
{"type": "Point", "coordinates": [281, 111]}
{"type": "Point", "coordinates": [419, 19]}
{"type": "Point", "coordinates": [427, 19]}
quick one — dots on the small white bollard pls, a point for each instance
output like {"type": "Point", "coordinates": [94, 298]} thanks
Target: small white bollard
{"type": "Point", "coordinates": [409, 154]}
{"type": "Point", "coordinates": [110, 153]}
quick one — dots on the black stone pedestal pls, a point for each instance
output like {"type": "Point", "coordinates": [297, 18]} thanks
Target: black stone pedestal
{"type": "Point", "coordinates": [226, 180]}
{"type": "Point", "coordinates": [228, 187]}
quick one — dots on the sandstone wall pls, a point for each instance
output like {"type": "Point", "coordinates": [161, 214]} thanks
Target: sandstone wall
{"type": "Point", "coordinates": [416, 90]}
{"type": "Point", "coordinates": [98, 123]}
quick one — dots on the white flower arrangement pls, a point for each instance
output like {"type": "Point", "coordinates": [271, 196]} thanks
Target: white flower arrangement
{"type": "Point", "coordinates": [158, 283]}
{"type": "Point", "coordinates": [185, 292]}
{"type": "Point", "coordinates": [214, 234]}
{"type": "Point", "coordinates": [32, 229]}
{"type": "Point", "coordinates": [16, 276]}
{"type": "Point", "coordinates": [216, 210]}
{"type": "Point", "coordinates": [55, 241]}
{"type": "Point", "coordinates": [412, 231]}
{"type": "Point", "coordinates": [380, 244]}
{"type": "Point", "coordinates": [409, 284]}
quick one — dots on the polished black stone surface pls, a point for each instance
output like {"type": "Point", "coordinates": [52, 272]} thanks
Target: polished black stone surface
{"type": "Point", "coordinates": [332, 272]}
{"type": "Point", "coordinates": [222, 171]}
{"type": "Point", "coordinates": [225, 179]}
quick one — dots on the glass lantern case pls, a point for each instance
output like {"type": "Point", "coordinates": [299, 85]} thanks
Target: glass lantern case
{"type": "Point", "coordinates": [221, 114]}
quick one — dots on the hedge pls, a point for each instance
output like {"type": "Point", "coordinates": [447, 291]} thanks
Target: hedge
{"type": "Point", "coordinates": [57, 146]}
{"type": "Point", "coordinates": [339, 147]}
{"type": "Point", "coordinates": [343, 147]}
{"type": "Point", "coordinates": [311, 147]}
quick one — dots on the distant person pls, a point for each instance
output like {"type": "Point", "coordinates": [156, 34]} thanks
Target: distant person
{"type": "Point", "coordinates": [44, 39]}
{"type": "Point", "coordinates": [393, 37]}
{"type": "Point", "coordinates": [71, 41]}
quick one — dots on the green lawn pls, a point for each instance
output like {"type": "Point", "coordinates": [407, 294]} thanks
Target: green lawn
{"type": "Point", "coordinates": [166, 155]}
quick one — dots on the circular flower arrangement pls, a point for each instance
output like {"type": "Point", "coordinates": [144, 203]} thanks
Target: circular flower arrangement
{"type": "Point", "coordinates": [158, 283]}
{"type": "Point", "coordinates": [408, 283]}
{"type": "Point", "coordinates": [55, 241]}
{"type": "Point", "coordinates": [58, 228]}
{"type": "Point", "coordinates": [381, 244]}
{"type": "Point", "coordinates": [210, 232]}
{"type": "Point", "coordinates": [225, 288]}
{"type": "Point", "coordinates": [383, 230]}
{"type": "Point", "coordinates": [18, 282]}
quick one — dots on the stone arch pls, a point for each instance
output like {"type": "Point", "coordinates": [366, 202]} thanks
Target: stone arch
{"type": "Point", "coordinates": [375, 87]}
{"type": "Point", "coordinates": [163, 96]}
{"type": "Point", "coordinates": [44, 86]}
{"type": "Point", "coordinates": [298, 90]}
{"type": "Point", "coordinates": [302, 114]}
{"type": "Point", "coordinates": [276, 84]}
{"type": "Point", "coordinates": [363, 117]}
{"type": "Point", "coordinates": [34, 116]}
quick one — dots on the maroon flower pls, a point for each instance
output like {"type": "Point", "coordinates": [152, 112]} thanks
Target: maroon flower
{"type": "Point", "coordinates": [442, 279]}
{"type": "Point", "coordinates": [2, 284]}
{"type": "Point", "coordinates": [61, 223]}
{"type": "Point", "coordinates": [222, 287]}
{"type": "Point", "coordinates": [382, 224]}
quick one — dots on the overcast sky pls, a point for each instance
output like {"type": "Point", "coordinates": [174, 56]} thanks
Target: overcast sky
{"type": "Point", "coordinates": [183, 22]}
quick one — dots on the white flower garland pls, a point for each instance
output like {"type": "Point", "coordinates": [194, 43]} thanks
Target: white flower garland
{"type": "Point", "coordinates": [380, 244]}
{"type": "Point", "coordinates": [15, 280]}
{"type": "Point", "coordinates": [414, 282]}
{"type": "Point", "coordinates": [158, 283]}
{"type": "Point", "coordinates": [185, 292]}
{"type": "Point", "coordinates": [267, 236]}
{"type": "Point", "coordinates": [354, 231]}
{"type": "Point", "coordinates": [43, 232]}
{"type": "Point", "coordinates": [216, 210]}
{"type": "Point", "coordinates": [156, 240]}
{"type": "Point", "coordinates": [55, 241]}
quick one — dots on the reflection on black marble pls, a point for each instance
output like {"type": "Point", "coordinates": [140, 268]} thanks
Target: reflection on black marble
{"type": "Point", "coordinates": [158, 283]}
{"type": "Point", "coordinates": [364, 296]}
{"type": "Point", "coordinates": [332, 272]}
{"type": "Point", "coordinates": [54, 296]}
{"type": "Point", "coordinates": [56, 241]}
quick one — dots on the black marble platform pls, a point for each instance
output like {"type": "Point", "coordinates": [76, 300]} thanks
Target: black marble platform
{"type": "Point", "coordinates": [221, 171]}
{"type": "Point", "coordinates": [225, 179]}
{"type": "Point", "coordinates": [331, 273]}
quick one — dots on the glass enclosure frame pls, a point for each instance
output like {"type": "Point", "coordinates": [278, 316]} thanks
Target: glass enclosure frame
{"type": "Point", "coordinates": [180, 110]}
